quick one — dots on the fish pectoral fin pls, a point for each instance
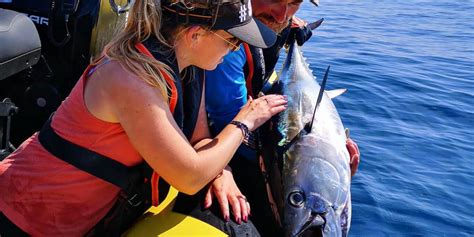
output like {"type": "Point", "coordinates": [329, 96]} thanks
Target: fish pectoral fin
{"type": "Point", "coordinates": [335, 93]}
{"type": "Point", "coordinates": [287, 142]}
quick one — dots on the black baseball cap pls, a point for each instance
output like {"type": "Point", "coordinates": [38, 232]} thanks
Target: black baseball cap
{"type": "Point", "coordinates": [233, 16]}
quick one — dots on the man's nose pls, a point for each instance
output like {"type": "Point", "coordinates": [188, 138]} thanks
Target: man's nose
{"type": "Point", "coordinates": [279, 13]}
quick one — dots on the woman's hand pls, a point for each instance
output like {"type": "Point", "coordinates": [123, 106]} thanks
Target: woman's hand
{"type": "Point", "coordinates": [226, 191]}
{"type": "Point", "coordinates": [258, 111]}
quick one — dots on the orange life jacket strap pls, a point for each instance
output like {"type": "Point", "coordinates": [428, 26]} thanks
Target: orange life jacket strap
{"type": "Point", "coordinates": [168, 79]}
{"type": "Point", "coordinates": [248, 80]}
{"type": "Point", "coordinates": [173, 100]}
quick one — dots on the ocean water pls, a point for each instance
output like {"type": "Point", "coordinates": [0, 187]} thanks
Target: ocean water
{"type": "Point", "coordinates": [409, 70]}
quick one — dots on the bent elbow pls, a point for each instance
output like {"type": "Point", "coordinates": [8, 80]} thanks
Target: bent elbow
{"type": "Point", "coordinates": [189, 191]}
{"type": "Point", "coordinates": [192, 186]}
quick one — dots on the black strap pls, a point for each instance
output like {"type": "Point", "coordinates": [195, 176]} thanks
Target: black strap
{"type": "Point", "coordinates": [7, 228]}
{"type": "Point", "coordinates": [82, 158]}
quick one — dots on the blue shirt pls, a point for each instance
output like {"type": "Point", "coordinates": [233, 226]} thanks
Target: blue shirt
{"type": "Point", "coordinates": [225, 90]}
{"type": "Point", "coordinates": [226, 93]}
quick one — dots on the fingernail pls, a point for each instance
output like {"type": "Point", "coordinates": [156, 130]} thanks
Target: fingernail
{"type": "Point", "coordinates": [245, 219]}
{"type": "Point", "coordinates": [226, 218]}
{"type": "Point", "coordinates": [238, 221]}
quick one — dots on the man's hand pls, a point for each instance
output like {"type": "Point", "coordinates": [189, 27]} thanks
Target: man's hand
{"type": "Point", "coordinates": [226, 191]}
{"type": "Point", "coordinates": [354, 155]}
{"type": "Point", "coordinates": [301, 31]}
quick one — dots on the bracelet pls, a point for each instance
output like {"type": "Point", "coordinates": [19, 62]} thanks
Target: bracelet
{"type": "Point", "coordinates": [243, 127]}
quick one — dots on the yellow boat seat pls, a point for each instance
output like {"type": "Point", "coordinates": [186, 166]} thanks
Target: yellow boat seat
{"type": "Point", "coordinates": [162, 221]}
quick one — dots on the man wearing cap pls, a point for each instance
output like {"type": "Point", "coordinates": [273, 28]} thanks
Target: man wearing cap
{"type": "Point", "coordinates": [226, 93]}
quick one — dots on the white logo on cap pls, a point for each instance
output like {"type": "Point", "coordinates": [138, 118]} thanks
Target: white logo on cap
{"type": "Point", "coordinates": [243, 13]}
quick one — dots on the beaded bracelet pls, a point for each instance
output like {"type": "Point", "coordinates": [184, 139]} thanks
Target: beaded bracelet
{"type": "Point", "coordinates": [243, 127]}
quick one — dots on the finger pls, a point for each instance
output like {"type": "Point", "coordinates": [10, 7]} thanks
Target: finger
{"type": "Point", "coordinates": [277, 109]}
{"type": "Point", "coordinates": [354, 153]}
{"type": "Point", "coordinates": [249, 210]}
{"type": "Point", "coordinates": [208, 198]}
{"type": "Point", "coordinates": [352, 147]}
{"type": "Point", "coordinates": [224, 204]}
{"type": "Point", "coordinates": [356, 147]}
{"type": "Point", "coordinates": [272, 100]}
{"type": "Point", "coordinates": [355, 164]}
{"type": "Point", "coordinates": [235, 204]}
{"type": "Point", "coordinates": [244, 208]}
{"type": "Point", "coordinates": [277, 102]}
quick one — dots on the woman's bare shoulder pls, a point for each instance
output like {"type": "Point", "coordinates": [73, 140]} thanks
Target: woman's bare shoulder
{"type": "Point", "coordinates": [113, 90]}
{"type": "Point", "coordinates": [115, 74]}
{"type": "Point", "coordinates": [120, 81]}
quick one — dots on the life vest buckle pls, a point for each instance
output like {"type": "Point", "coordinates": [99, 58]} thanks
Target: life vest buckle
{"type": "Point", "coordinates": [133, 202]}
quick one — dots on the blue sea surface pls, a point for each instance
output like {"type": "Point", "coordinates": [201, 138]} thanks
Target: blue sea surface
{"type": "Point", "coordinates": [409, 70]}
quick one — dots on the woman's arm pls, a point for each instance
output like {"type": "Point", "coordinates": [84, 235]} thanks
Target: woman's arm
{"type": "Point", "coordinates": [116, 95]}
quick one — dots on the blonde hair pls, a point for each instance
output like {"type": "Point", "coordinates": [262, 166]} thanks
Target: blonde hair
{"type": "Point", "coordinates": [144, 21]}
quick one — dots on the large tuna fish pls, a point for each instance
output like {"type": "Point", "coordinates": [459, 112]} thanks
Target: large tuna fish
{"type": "Point", "coordinates": [305, 156]}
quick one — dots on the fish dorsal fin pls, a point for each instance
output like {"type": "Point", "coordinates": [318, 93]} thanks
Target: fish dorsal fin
{"type": "Point", "coordinates": [309, 126]}
{"type": "Point", "coordinates": [335, 93]}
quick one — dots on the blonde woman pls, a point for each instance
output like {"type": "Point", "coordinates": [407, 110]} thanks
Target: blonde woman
{"type": "Point", "coordinates": [139, 108]}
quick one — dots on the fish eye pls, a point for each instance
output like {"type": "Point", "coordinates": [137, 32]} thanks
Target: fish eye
{"type": "Point", "coordinates": [296, 198]}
